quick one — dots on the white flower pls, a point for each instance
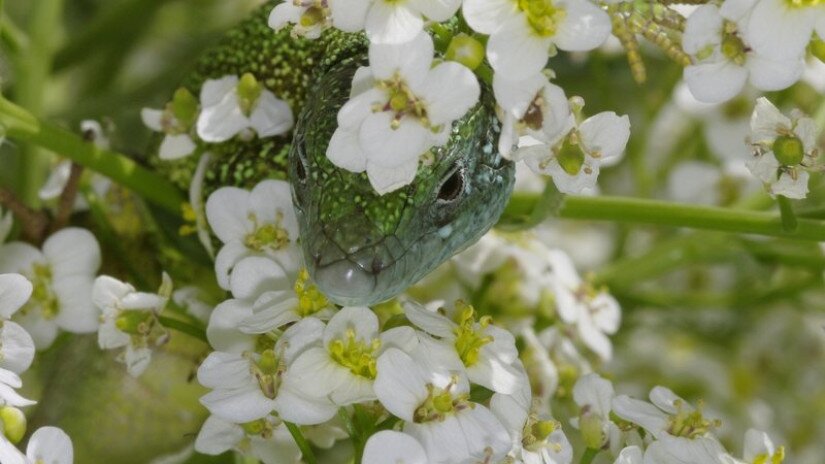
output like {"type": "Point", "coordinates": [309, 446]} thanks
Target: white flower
{"type": "Point", "coordinates": [668, 415]}
{"type": "Point", "coordinates": [310, 17]}
{"type": "Point", "coordinates": [778, 28]}
{"type": "Point", "coordinates": [522, 34]}
{"type": "Point", "coordinates": [390, 447]}
{"type": "Point", "coordinates": [257, 223]}
{"type": "Point", "coordinates": [783, 148]}
{"type": "Point", "coordinates": [389, 21]}
{"type": "Point", "coordinates": [266, 440]}
{"type": "Point", "coordinates": [47, 445]}
{"type": "Point", "coordinates": [723, 62]}
{"type": "Point", "coordinates": [759, 448]}
{"type": "Point", "coordinates": [232, 106]}
{"type": "Point", "coordinates": [267, 297]}
{"type": "Point", "coordinates": [128, 319]}
{"type": "Point", "coordinates": [594, 312]}
{"type": "Point", "coordinates": [344, 368]}
{"type": "Point", "coordinates": [62, 275]}
{"type": "Point", "coordinates": [176, 121]}
{"type": "Point", "coordinates": [407, 109]}
{"type": "Point", "coordinates": [487, 352]}
{"type": "Point", "coordinates": [593, 395]}
{"type": "Point", "coordinates": [574, 162]}
{"type": "Point", "coordinates": [531, 106]}
{"type": "Point", "coordinates": [248, 386]}
{"type": "Point", "coordinates": [438, 412]}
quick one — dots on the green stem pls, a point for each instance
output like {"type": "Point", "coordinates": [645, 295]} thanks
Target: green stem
{"type": "Point", "coordinates": [33, 72]}
{"type": "Point", "coordinates": [183, 327]}
{"type": "Point", "coordinates": [789, 221]}
{"type": "Point", "coordinates": [301, 441]}
{"type": "Point", "coordinates": [641, 211]}
{"type": "Point", "coordinates": [120, 168]}
{"type": "Point", "coordinates": [589, 455]}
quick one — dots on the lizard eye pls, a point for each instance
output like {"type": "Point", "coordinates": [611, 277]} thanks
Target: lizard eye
{"type": "Point", "coordinates": [452, 186]}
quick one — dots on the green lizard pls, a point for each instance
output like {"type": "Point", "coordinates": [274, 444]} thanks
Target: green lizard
{"type": "Point", "coordinates": [359, 247]}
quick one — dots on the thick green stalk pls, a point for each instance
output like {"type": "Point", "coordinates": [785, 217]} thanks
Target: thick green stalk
{"type": "Point", "coordinates": [301, 441]}
{"type": "Point", "coordinates": [184, 327]}
{"type": "Point", "coordinates": [32, 76]}
{"type": "Point", "coordinates": [23, 126]}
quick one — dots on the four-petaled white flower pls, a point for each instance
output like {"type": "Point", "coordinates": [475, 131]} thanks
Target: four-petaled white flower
{"type": "Point", "coordinates": [309, 17]}
{"type": "Point", "coordinates": [257, 223]}
{"type": "Point", "coordinates": [523, 34]}
{"type": "Point", "coordinates": [667, 415]}
{"type": "Point", "coordinates": [176, 121]}
{"type": "Point", "coordinates": [723, 63]}
{"type": "Point", "coordinates": [62, 275]}
{"type": "Point", "coordinates": [437, 411]}
{"type": "Point", "coordinates": [232, 106]}
{"type": "Point", "coordinates": [487, 352]}
{"type": "Point", "coordinates": [47, 445]}
{"type": "Point", "coordinates": [531, 106]}
{"type": "Point", "coordinates": [778, 28]}
{"type": "Point", "coordinates": [265, 439]}
{"type": "Point", "coordinates": [783, 148]}
{"type": "Point", "coordinates": [574, 160]}
{"type": "Point", "coordinates": [390, 21]}
{"type": "Point", "coordinates": [407, 108]}
{"type": "Point", "coordinates": [250, 385]}
{"type": "Point", "coordinates": [343, 369]}
{"type": "Point", "coordinates": [129, 319]}
{"type": "Point", "coordinates": [594, 395]}
{"type": "Point", "coordinates": [593, 311]}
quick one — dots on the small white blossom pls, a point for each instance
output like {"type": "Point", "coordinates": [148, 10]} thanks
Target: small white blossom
{"type": "Point", "coordinates": [47, 445]}
{"type": "Point", "coordinates": [257, 223]}
{"type": "Point", "coordinates": [437, 411]}
{"type": "Point", "coordinates": [344, 368]}
{"type": "Point", "coordinates": [522, 34]}
{"type": "Point", "coordinates": [668, 415]}
{"type": "Point", "coordinates": [265, 439]}
{"type": "Point", "coordinates": [232, 106]}
{"type": "Point", "coordinates": [573, 162]}
{"type": "Point", "coordinates": [778, 28]}
{"type": "Point", "coordinates": [723, 63]}
{"type": "Point", "coordinates": [62, 275]}
{"type": "Point", "coordinates": [783, 149]}
{"type": "Point", "coordinates": [408, 108]}
{"type": "Point", "coordinates": [176, 121]}
{"type": "Point", "coordinates": [390, 21]}
{"type": "Point", "coordinates": [487, 352]}
{"type": "Point", "coordinates": [677, 450]}
{"type": "Point", "coordinates": [594, 395]}
{"type": "Point", "coordinates": [129, 319]}
{"type": "Point", "coordinates": [310, 17]}
{"type": "Point", "coordinates": [390, 447]}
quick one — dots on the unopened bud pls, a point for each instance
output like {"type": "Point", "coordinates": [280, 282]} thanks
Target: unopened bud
{"type": "Point", "coordinates": [249, 90]}
{"type": "Point", "coordinates": [14, 423]}
{"type": "Point", "coordinates": [465, 50]}
{"type": "Point", "coordinates": [788, 150]}
{"type": "Point", "coordinates": [185, 107]}
{"type": "Point", "coordinates": [591, 428]}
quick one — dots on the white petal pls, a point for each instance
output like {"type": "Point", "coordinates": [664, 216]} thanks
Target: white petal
{"type": "Point", "coordinates": [77, 313]}
{"type": "Point", "coordinates": [392, 23]}
{"type": "Point", "coordinates": [222, 330]}
{"type": "Point", "coordinates": [255, 275]}
{"type": "Point", "coordinates": [239, 406]}
{"type": "Point", "coordinates": [412, 59]}
{"type": "Point", "coordinates": [360, 319]}
{"type": "Point", "coordinates": [11, 455]}
{"type": "Point", "coordinates": [358, 107]}
{"type": "Point", "coordinates": [271, 116]}
{"type": "Point", "coordinates": [296, 408]}
{"type": "Point", "coordinates": [642, 413]}
{"type": "Point", "coordinates": [345, 152]}
{"type": "Point", "coordinates": [43, 331]}
{"type": "Point", "coordinates": [516, 53]}
{"type": "Point", "coordinates": [766, 121]}
{"type": "Point", "coordinates": [399, 385]}
{"type": "Point", "coordinates": [176, 147]}
{"type": "Point", "coordinates": [436, 10]}
{"type": "Point", "coordinates": [768, 74]}
{"type": "Point", "coordinates": [792, 188]}
{"type": "Point", "coordinates": [605, 134]}
{"type": "Point", "coordinates": [72, 251]}
{"type": "Point", "coordinates": [56, 182]}
{"type": "Point", "coordinates": [430, 321]}
{"type": "Point", "coordinates": [385, 180]}
{"type": "Point", "coordinates": [349, 15]}
{"type": "Point", "coordinates": [666, 400]}
{"type": "Point", "coordinates": [19, 257]}
{"type": "Point", "coordinates": [585, 26]}
{"type": "Point", "coordinates": [630, 455]}
{"type": "Point", "coordinates": [227, 210]}
{"type": "Point", "coordinates": [15, 291]}
{"type": "Point", "coordinates": [715, 82]}
{"type": "Point", "coordinates": [281, 16]}
{"type": "Point", "coordinates": [221, 116]}
{"type": "Point", "coordinates": [16, 346]}
{"type": "Point", "coordinates": [779, 31]}
{"type": "Point", "coordinates": [300, 336]}
{"type": "Point", "coordinates": [137, 360]}
{"type": "Point", "coordinates": [217, 435]}
{"type": "Point", "coordinates": [390, 447]}
{"type": "Point", "coordinates": [451, 89]}
{"type": "Point", "coordinates": [702, 29]}
{"type": "Point", "coordinates": [152, 119]}
{"type": "Point", "coordinates": [757, 443]}
{"type": "Point", "coordinates": [486, 16]}
{"type": "Point", "coordinates": [271, 311]}
{"type": "Point", "coordinates": [388, 147]}
{"type": "Point", "coordinates": [50, 445]}
{"type": "Point", "coordinates": [315, 374]}
{"type": "Point", "coordinates": [225, 261]}
{"type": "Point", "coordinates": [596, 393]}
{"type": "Point", "coordinates": [515, 96]}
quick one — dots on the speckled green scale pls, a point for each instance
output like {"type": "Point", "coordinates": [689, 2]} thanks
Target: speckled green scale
{"type": "Point", "coordinates": [360, 247]}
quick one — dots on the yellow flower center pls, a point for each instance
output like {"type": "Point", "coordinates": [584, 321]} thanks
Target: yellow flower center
{"type": "Point", "coordinates": [543, 16]}
{"type": "Point", "coordinates": [690, 423]}
{"type": "Point", "coordinates": [314, 15]}
{"type": "Point", "coordinates": [260, 427]}
{"type": "Point", "coordinates": [402, 101]}
{"type": "Point", "coordinates": [788, 150]}
{"type": "Point", "coordinates": [536, 431]}
{"type": "Point", "coordinates": [469, 335]}
{"type": "Point", "coordinates": [267, 371]}
{"type": "Point", "coordinates": [733, 48]}
{"type": "Point", "coordinates": [310, 299]}
{"type": "Point", "coordinates": [135, 322]}
{"type": "Point", "coordinates": [355, 355]}
{"type": "Point", "coordinates": [42, 294]}
{"type": "Point", "coordinates": [775, 458]}
{"type": "Point", "coordinates": [270, 236]}
{"type": "Point", "coordinates": [440, 403]}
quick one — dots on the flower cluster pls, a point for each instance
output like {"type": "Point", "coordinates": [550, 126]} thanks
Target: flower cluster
{"type": "Point", "coordinates": [228, 107]}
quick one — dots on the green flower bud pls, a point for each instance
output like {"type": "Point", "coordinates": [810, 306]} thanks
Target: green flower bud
{"type": "Point", "coordinates": [249, 90]}
{"type": "Point", "coordinates": [184, 107]}
{"type": "Point", "coordinates": [14, 423]}
{"type": "Point", "coordinates": [591, 428]}
{"type": "Point", "coordinates": [134, 322]}
{"type": "Point", "coordinates": [465, 50]}
{"type": "Point", "coordinates": [817, 48]}
{"type": "Point", "coordinates": [788, 150]}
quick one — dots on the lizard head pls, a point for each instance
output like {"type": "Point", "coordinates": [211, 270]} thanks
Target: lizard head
{"type": "Point", "coordinates": [361, 247]}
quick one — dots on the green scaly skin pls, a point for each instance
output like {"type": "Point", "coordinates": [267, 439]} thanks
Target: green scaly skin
{"type": "Point", "coordinates": [360, 247]}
